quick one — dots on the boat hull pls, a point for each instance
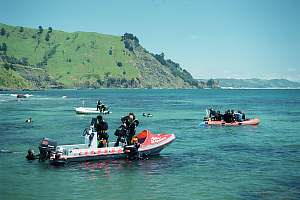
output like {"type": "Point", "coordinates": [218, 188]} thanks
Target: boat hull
{"type": "Point", "coordinates": [252, 122]}
{"type": "Point", "coordinates": [85, 110]}
{"type": "Point", "coordinates": [152, 145]}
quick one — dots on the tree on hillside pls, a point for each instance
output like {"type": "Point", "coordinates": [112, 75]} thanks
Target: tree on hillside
{"type": "Point", "coordinates": [161, 58]}
{"type": "Point", "coordinates": [47, 37]}
{"type": "Point", "coordinates": [110, 52]}
{"type": "Point", "coordinates": [130, 36]}
{"type": "Point", "coordinates": [93, 44]}
{"type": "Point", "coordinates": [23, 61]}
{"type": "Point", "coordinates": [107, 74]}
{"type": "Point", "coordinates": [2, 32]}
{"type": "Point", "coordinates": [3, 47]}
{"type": "Point", "coordinates": [50, 30]}
{"type": "Point", "coordinates": [119, 64]}
{"type": "Point", "coordinates": [21, 29]}
{"type": "Point", "coordinates": [40, 29]}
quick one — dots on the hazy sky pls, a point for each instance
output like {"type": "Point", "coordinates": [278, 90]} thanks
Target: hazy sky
{"type": "Point", "coordinates": [211, 38]}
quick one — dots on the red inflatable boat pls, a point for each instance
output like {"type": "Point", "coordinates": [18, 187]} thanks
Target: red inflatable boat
{"type": "Point", "coordinates": [253, 122]}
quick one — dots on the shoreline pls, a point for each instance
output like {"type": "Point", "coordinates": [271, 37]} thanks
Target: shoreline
{"type": "Point", "coordinates": [221, 88]}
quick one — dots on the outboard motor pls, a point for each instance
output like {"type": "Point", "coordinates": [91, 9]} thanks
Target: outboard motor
{"type": "Point", "coordinates": [47, 148]}
{"type": "Point", "coordinates": [132, 151]}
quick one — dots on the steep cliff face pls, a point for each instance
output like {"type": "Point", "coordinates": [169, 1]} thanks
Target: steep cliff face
{"type": "Point", "coordinates": [48, 58]}
{"type": "Point", "coordinates": [153, 72]}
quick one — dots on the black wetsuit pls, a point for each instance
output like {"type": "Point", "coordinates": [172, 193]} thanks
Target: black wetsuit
{"type": "Point", "coordinates": [130, 128]}
{"type": "Point", "coordinates": [120, 133]}
{"type": "Point", "coordinates": [133, 153]}
{"type": "Point", "coordinates": [98, 105]}
{"type": "Point", "coordinates": [227, 117]}
{"type": "Point", "coordinates": [218, 117]}
{"type": "Point", "coordinates": [212, 114]}
{"type": "Point", "coordinates": [102, 108]}
{"type": "Point", "coordinates": [101, 128]}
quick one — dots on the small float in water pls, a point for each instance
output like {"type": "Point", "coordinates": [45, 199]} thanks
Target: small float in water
{"type": "Point", "coordinates": [149, 144]}
{"type": "Point", "coordinates": [147, 115]}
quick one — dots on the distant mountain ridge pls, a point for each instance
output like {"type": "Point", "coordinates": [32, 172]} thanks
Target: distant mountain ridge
{"type": "Point", "coordinates": [47, 58]}
{"type": "Point", "coordinates": [257, 83]}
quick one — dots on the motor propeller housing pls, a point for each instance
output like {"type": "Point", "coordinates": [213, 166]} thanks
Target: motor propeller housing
{"type": "Point", "coordinates": [47, 147]}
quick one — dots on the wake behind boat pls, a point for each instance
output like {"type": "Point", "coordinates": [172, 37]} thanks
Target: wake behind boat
{"type": "Point", "coordinates": [87, 110]}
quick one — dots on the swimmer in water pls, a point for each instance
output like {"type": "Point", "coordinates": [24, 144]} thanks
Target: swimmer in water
{"type": "Point", "coordinates": [29, 120]}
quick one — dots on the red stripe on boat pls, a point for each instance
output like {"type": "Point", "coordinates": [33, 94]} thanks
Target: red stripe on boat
{"type": "Point", "coordinates": [120, 150]}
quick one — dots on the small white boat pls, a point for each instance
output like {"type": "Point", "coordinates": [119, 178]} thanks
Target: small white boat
{"type": "Point", "coordinates": [22, 95]}
{"type": "Point", "coordinates": [86, 110]}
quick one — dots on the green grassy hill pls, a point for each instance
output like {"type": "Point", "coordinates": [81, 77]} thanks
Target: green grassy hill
{"type": "Point", "coordinates": [43, 58]}
{"type": "Point", "coordinates": [12, 80]}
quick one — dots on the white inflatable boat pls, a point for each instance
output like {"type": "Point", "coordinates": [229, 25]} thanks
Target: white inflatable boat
{"type": "Point", "coordinates": [86, 110]}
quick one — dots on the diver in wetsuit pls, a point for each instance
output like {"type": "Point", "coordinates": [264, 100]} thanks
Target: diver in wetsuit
{"type": "Point", "coordinates": [99, 103]}
{"type": "Point", "coordinates": [227, 117]}
{"type": "Point", "coordinates": [127, 129]}
{"type": "Point", "coordinates": [132, 150]}
{"type": "Point", "coordinates": [31, 155]}
{"type": "Point", "coordinates": [218, 116]}
{"type": "Point", "coordinates": [29, 120]}
{"type": "Point", "coordinates": [212, 114]}
{"type": "Point", "coordinates": [102, 135]}
{"type": "Point", "coordinates": [130, 123]}
{"type": "Point", "coordinates": [239, 116]}
{"type": "Point", "coordinates": [120, 133]}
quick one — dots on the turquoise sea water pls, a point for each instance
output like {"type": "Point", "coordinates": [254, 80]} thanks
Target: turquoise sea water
{"type": "Point", "coordinates": [249, 162]}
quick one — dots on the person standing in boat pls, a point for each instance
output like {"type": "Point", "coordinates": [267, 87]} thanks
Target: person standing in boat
{"type": "Point", "coordinates": [239, 116]}
{"type": "Point", "coordinates": [102, 108]}
{"type": "Point", "coordinates": [102, 135]}
{"type": "Point", "coordinates": [99, 105]}
{"type": "Point", "coordinates": [130, 123]}
{"type": "Point", "coordinates": [218, 116]}
{"type": "Point", "coordinates": [212, 114]}
{"type": "Point", "coordinates": [227, 117]}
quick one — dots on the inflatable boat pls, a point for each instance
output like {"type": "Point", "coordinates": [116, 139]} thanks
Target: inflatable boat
{"type": "Point", "coordinates": [149, 144]}
{"type": "Point", "coordinates": [254, 122]}
{"type": "Point", "coordinates": [85, 110]}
